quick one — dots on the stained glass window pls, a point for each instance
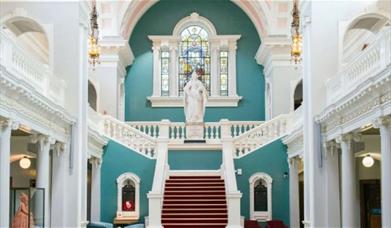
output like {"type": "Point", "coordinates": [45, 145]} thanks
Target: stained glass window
{"type": "Point", "coordinates": [165, 60]}
{"type": "Point", "coordinates": [223, 73]}
{"type": "Point", "coordinates": [194, 56]}
{"type": "Point", "coordinates": [260, 196]}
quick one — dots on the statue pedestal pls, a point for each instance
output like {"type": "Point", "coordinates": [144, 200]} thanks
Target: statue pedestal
{"type": "Point", "coordinates": [194, 131]}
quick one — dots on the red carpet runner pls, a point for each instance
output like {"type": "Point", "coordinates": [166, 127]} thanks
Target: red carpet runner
{"type": "Point", "coordinates": [194, 202]}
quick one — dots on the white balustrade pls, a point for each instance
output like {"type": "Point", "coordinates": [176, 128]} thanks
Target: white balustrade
{"type": "Point", "coordinates": [177, 131]}
{"type": "Point", "coordinates": [149, 128]}
{"type": "Point", "coordinates": [129, 136]}
{"type": "Point", "coordinates": [212, 130]}
{"type": "Point", "coordinates": [240, 127]}
{"type": "Point", "coordinates": [24, 66]}
{"type": "Point", "coordinates": [369, 63]}
{"type": "Point", "coordinates": [260, 135]}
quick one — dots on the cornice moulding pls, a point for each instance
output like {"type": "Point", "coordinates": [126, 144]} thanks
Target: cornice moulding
{"type": "Point", "coordinates": [21, 102]}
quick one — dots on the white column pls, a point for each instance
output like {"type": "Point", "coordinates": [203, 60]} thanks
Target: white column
{"type": "Point", "coordinates": [43, 176]}
{"type": "Point", "coordinates": [294, 206]}
{"type": "Point", "coordinates": [385, 136]}
{"type": "Point", "coordinates": [155, 196]}
{"type": "Point", "coordinates": [309, 159]}
{"type": "Point", "coordinates": [156, 71]}
{"type": "Point", "coordinates": [214, 70]}
{"type": "Point", "coordinates": [173, 73]}
{"type": "Point", "coordinates": [95, 190]}
{"type": "Point", "coordinates": [348, 182]}
{"type": "Point", "coordinates": [58, 187]}
{"type": "Point", "coordinates": [232, 69]}
{"type": "Point", "coordinates": [228, 167]}
{"type": "Point", "coordinates": [332, 201]}
{"type": "Point", "coordinates": [6, 127]}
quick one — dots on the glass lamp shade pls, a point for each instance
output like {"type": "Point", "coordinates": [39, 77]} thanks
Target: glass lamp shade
{"type": "Point", "coordinates": [25, 163]}
{"type": "Point", "coordinates": [368, 161]}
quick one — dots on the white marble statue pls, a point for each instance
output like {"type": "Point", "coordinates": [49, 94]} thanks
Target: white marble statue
{"type": "Point", "coordinates": [195, 100]}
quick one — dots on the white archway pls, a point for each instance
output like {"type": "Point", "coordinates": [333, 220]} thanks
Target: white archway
{"type": "Point", "coordinates": [28, 33]}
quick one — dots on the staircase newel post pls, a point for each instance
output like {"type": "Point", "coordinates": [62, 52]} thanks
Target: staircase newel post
{"type": "Point", "coordinates": [232, 192]}
{"type": "Point", "coordinates": [155, 196]}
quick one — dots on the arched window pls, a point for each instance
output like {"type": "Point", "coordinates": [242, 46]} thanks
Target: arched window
{"type": "Point", "coordinates": [128, 193]}
{"type": "Point", "coordinates": [298, 95]}
{"type": "Point", "coordinates": [261, 197]}
{"type": "Point", "coordinates": [92, 96]}
{"type": "Point", "coordinates": [194, 46]}
{"type": "Point", "coordinates": [194, 56]}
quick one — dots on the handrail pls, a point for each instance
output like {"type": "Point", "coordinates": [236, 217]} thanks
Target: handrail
{"type": "Point", "coordinates": [177, 130]}
{"type": "Point", "coordinates": [261, 135]}
{"type": "Point", "coordinates": [371, 61]}
{"type": "Point", "coordinates": [22, 65]}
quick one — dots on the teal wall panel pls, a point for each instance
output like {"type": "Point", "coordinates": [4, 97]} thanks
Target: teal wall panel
{"type": "Point", "coordinates": [194, 160]}
{"type": "Point", "coordinates": [117, 160]}
{"type": "Point", "coordinates": [270, 159]}
{"type": "Point", "coordinates": [161, 19]}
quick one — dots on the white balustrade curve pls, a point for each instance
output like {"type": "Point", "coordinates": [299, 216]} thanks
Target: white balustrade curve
{"type": "Point", "coordinates": [261, 135]}
{"type": "Point", "coordinates": [129, 136]}
{"type": "Point", "coordinates": [370, 62]}
{"type": "Point", "coordinates": [22, 65]}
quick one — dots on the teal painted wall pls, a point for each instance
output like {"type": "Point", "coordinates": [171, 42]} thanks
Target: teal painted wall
{"type": "Point", "coordinates": [194, 160]}
{"type": "Point", "coordinates": [161, 19]}
{"type": "Point", "coordinates": [117, 160]}
{"type": "Point", "coordinates": [271, 159]}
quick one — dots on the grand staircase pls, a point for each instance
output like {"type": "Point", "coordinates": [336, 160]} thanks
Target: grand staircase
{"type": "Point", "coordinates": [194, 201]}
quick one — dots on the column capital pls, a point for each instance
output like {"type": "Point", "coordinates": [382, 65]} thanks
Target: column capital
{"type": "Point", "coordinates": [293, 162]}
{"type": "Point", "coordinates": [95, 161]}
{"type": "Point", "coordinates": [330, 148]}
{"type": "Point", "coordinates": [382, 122]}
{"type": "Point", "coordinates": [348, 137]}
{"type": "Point", "coordinates": [58, 148]}
{"type": "Point", "coordinates": [6, 123]}
{"type": "Point", "coordinates": [42, 139]}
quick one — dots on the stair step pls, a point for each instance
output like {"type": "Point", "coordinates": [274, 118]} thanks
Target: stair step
{"type": "Point", "coordinates": [195, 180]}
{"type": "Point", "coordinates": [195, 225]}
{"type": "Point", "coordinates": [199, 192]}
{"type": "Point", "coordinates": [194, 215]}
{"type": "Point", "coordinates": [195, 184]}
{"type": "Point", "coordinates": [195, 197]}
{"type": "Point", "coordinates": [194, 210]}
{"type": "Point", "coordinates": [198, 177]}
{"type": "Point", "coordinates": [194, 188]}
{"type": "Point", "coordinates": [198, 220]}
{"type": "Point", "coordinates": [204, 206]}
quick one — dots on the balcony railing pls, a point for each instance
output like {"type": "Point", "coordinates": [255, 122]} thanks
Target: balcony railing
{"type": "Point", "coordinates": [368, 64]}
{"type": "Point", "coordinates": [212, 130]}
{"type": "Point", "coordinates": [23, 66]}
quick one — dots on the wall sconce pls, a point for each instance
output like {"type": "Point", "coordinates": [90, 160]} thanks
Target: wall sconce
{"type": "Point", "coordinates": [285, 175]}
